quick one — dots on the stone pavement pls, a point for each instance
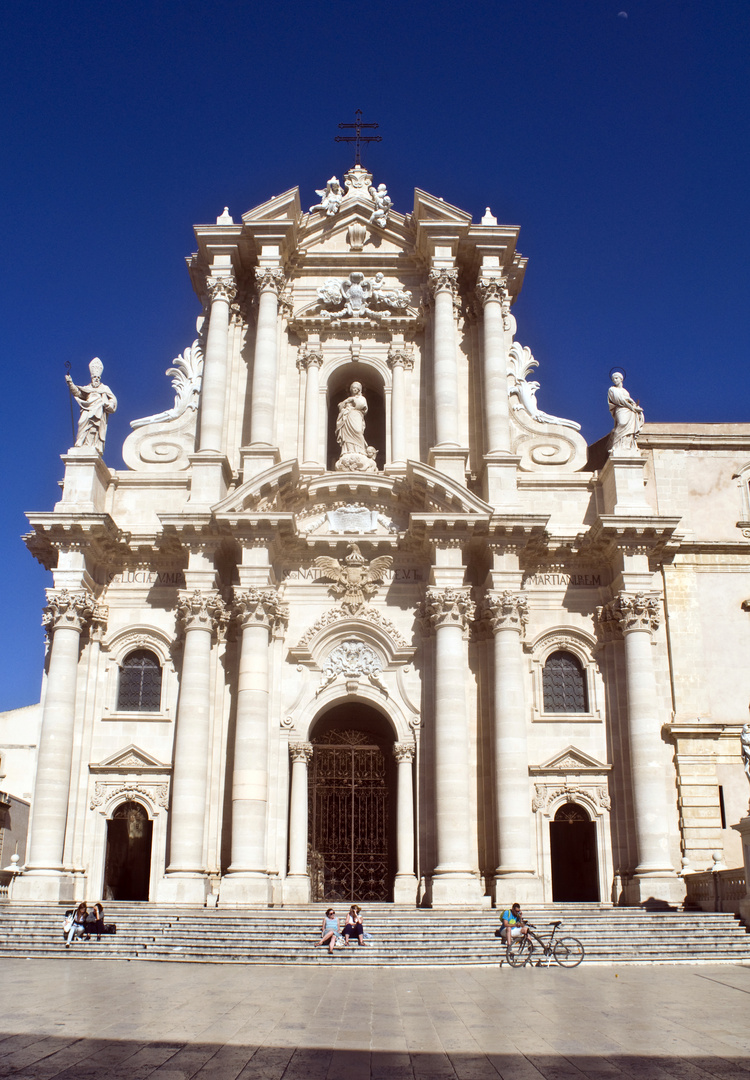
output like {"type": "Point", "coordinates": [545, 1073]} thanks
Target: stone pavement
{"type": "Point", "coordinates": [82, 1019]}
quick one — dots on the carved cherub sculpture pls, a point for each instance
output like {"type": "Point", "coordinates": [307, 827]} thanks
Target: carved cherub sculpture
{"type": "Point", "coordinates": [331, 197]}
{"type": "Point", "coordinates": [354, 581]}
{"type": "Point", "coordinates": [383, 205]}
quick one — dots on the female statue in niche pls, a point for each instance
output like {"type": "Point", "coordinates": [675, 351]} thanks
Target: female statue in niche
{"type": "Point", "coordinates": [356, 455]}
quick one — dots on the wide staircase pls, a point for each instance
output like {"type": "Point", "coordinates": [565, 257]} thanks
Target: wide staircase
{"type": "Point", "coordinates": [400, 936]}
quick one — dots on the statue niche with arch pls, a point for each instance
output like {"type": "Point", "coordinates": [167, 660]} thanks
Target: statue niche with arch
{"type": "Point", "coordinates": [356, 437]}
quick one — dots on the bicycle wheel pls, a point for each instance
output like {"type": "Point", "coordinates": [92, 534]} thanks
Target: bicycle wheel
{"type": "Point", "coordinates": [520, 951]}
{"type": "Point", "coordinates": [568, 952]}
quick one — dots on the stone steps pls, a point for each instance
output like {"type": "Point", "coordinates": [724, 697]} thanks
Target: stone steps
{"type": "Point", "coordinates": [401, 936]}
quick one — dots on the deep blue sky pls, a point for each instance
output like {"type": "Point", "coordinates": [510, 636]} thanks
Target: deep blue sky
{"type": "Point", "coordinates": [619, 144]}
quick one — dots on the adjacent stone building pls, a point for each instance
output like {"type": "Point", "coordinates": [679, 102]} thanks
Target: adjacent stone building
{"type": "Point", "coordinates": [359, 620]}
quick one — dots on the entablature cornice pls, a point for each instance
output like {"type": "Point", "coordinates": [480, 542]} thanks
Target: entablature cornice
{"type": "Point", "coordinates": [447, 529]}
{"type": "Point", "coordinates": [656, 537]}
{"type": "Point", "coordinates": [55, 532]}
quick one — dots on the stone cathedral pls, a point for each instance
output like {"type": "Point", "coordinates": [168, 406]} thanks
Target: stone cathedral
{"type": "Point", "coordinates": [358, 620]}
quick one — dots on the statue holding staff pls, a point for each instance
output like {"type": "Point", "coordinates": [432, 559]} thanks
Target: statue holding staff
{"type": "Point", "coordinates": [96, 402]}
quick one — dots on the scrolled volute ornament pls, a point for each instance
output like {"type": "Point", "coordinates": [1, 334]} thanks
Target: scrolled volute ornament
{"type": "Point", "coordinates": [64, 608]}
{"type": "Point", "coordinates": [447, 607]}
{"type": "Point", "coordinates": [201, 610]}
{"type": "Point", "coordinates": [507, 611]}
{"type": "Point", "coordinates": [637, 611]}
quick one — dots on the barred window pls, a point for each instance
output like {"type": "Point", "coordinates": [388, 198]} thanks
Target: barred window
{"type": "Point", "coordinates": [564, 684]}
{"type": "Point", "coordinates": [140, 683]}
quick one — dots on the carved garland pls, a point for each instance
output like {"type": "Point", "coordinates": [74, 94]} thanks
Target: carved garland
{"type": "Point", "coordinates": [156, 794]}
{"type": "Point", "coordinates": [337, 614]}
{"type": "Point", "coordinates": [545, 796]}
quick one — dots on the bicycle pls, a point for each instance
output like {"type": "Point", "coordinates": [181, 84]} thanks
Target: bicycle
{"type": "Point", "coordinates": [566, 951]}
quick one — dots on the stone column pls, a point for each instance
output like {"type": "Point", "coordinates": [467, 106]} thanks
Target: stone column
{"type": "Point", "coordinates": [201, 614]}
{"type": "Point", "coordinates": [399, 361]}
{"type": "Point", "coordinates": [66, 616]}
{"type": "Point", "coordinates": [448, 612]}
{"type": "Point", "coordinates": [508, 614]}
{"type": "Point", "coordinates": [492, 292]}
{"type": "Point", "coordinates": [222, 291]}
{"type": "Point", "coordinates": [639, 615]}
{"type": "Point", "coordinates": [405, 885]}
{"type": "Point", "coordinates": [265, 364]}
{"type": "Point", "coordinates": [247, 878]}
{"type": "Point", "coordinates": [443, 285]}
{"type": "Point", "coordinates": [311, 361]}
{"type": "Point", "coordinates": [297, 886]}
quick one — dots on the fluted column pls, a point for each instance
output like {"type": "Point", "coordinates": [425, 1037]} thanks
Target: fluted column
{"type": "Point", "coordinates": [270, 282]}
{"type": "Point", "coordinates": [297, 886]}
{"type": "Point", "coordinates": [405, 885]}
{"type": "Point", "coordinates": [247, 881]}
{"type": "Point", "coordinates": [443, 285]}
{"type": "Point", "coordinates": [222, 290]}
{"type": "Point", "coordinates": [448, 612]}
{"type": "Point", "coordinates": [638, 615]}
{"type": "Point", "coordinates": [66, 616]}
{"type": "Point", "coordinates": [311, 362]}
{"type": "Point", "coordinates": [492, 292]}
{"type": "Point", "coordinates": [507, 614]}
{"type": "Point", "coordinates": [399, 362]}
{"type": "Point", "coordinates": [201, 614]}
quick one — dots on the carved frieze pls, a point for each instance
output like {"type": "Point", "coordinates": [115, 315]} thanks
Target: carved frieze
{"type": "Point", "coordinates": [155, 794]}
{"type": "Point", "coordinates": [335, 615]}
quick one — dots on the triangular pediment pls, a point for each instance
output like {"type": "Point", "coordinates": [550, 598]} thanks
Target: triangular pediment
{"type": "Point", "coordinates": [431, 208]}
{"type": "Point", "coordinates": [130, 759]}
{"type": "Point", "coordinates": [284, 207]}
{"type": "Point", "coordinates": [569, 760]}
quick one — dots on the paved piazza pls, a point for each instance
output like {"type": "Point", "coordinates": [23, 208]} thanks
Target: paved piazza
{"type": "Point", "coordinates": [127, 1021]}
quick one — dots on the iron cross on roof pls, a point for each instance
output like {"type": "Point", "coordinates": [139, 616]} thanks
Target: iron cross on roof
{"type": "Point", "coordinates": [358, 138]}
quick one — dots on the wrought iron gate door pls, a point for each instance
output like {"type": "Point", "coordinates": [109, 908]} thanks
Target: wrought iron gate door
{"type": "Point", "coordinates": [349, 818]}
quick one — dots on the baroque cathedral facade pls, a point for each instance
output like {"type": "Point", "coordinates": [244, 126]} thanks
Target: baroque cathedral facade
{"type": "Point", "coordinates": [359, 621]}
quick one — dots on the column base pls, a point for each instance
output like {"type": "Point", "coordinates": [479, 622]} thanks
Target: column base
{"type": "Point", "coordinates": [241, 889]}
{"type": "Point", "coordinates": [297, 889]}
{"type": "Point", "coordinates": [405, 889]}
{"type": "Point", "coordinates": [656, 889]}
{"type": "Point", "coordinates": [189, 889]}
{"type": "Point", "coordinates": [517, 888]}
{"type": "Point", "coordinates": [36, 886]}
{"type": "Point", "coordinates": [456, 890]}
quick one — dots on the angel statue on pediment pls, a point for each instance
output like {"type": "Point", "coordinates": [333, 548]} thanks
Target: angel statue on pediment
{"type": "Point", "coordinates": [331, 197]}
{"type": "Point", "coordinates": [354, 580]}
{"type": "Point", "coordinates": [383, 205]}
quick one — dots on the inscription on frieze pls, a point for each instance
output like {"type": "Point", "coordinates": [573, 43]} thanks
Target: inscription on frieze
{"type": "Point", "coordinates": [397, 574]}
{"type": "Point", "coordinates": [562, 579]}
{"type": "Point", "coordinates": [173, 578]}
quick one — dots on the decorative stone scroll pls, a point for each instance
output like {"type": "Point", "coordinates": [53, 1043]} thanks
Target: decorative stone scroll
{"type": "Point", "coordinates": [64, 608]}
{"type": "Point", "coordinates": [541, 440]}
{"type": "Point", "coordinates": [507, 611]}
{"type": "Point", "coordinates": [447, 607]}
{"type": "Point", "coordinates": [352, 660]}
{"type": "Point", "coordinates": [170, 437]}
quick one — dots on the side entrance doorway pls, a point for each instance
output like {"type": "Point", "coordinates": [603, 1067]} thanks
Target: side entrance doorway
{"type": "Point", "coordinates": [575, 870]}
{"type": "Point", "coordinates": [351, 850]}
{"type": "Point", "coordinates": [127, 866]}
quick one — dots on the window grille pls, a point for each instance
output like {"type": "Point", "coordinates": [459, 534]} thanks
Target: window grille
{"type": "Point", "coordinates": [140, 683]}
{"type": "Point", "coordinates": [564, 684]}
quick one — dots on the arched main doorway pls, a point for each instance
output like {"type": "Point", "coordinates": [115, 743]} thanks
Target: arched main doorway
{"type": "Point", "coordinates": [351, 827]}
{"type": "Point", "coordinates": [127, 865]}
{"type": "Point", "coordinates": [575, 870]}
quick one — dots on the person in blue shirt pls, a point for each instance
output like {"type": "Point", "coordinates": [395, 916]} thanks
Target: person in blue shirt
{"type": "Point", "coordinates": [329, 930]}
{"type": "Point", "coordinates": [513, 925]}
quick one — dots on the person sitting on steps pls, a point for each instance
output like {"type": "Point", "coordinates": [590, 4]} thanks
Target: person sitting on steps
{"type": "Point", "coordinates": [329, 930]}
{"type": "Point", "coordinates": [513, 925]}
{"type": "Point", "coordinates": [354, 926]}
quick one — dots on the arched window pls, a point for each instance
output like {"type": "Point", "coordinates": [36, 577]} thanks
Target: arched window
{"type": "Point", "coordinates": [564, 684]}
{"type": "Point", "coordinates": [139, 689]}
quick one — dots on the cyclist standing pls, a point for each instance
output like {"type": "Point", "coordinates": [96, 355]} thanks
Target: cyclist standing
{"type": "Point", "coordinates": [513, 925]}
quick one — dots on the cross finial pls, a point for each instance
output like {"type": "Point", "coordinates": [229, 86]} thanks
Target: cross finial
{"type": "Point", "coordinates": [358, 138]}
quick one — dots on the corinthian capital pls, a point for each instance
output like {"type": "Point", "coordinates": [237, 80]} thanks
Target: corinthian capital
{"type": "Point", "coordinates": [259, 607]}
{"type": "Point", "coordinates": [403, 358]}
{"type": "Point", "coordinates": [202, 611]}
{"type": "Point", "coordinates": [633, 611]}
{"type": "Point", "coordinates": [270, 277]}
{"type": "Point", "coordinates": [301, 751]}
{"type": "Point", "coordinates": [492, 288]}
{"type": "Point", "coordinates": [507, 611]}
{"type": "Point", "coordinates": [448, 607]}
{"type": "Point", "coordinates": [73, 610]}
{"type": "Point", "coordinates": [443, 281]}
{"type": "Point", "coordinates": [221, 288]}
{"type": "Point", "coordinates": [308, 358]}
{"type": "Point", "coordinates": [403, 751]}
